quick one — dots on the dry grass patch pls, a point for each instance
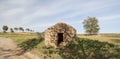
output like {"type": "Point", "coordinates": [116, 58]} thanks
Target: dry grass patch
{"type": "Point", "coordinates": [115, 39]}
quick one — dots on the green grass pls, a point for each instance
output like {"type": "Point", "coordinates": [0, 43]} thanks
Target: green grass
{"type": "Point", "coordinates": [19, 37]}
{"type": "Point", "coordinates": [90, 49]}
{"type": "Point", "coordinates": [85, 47]}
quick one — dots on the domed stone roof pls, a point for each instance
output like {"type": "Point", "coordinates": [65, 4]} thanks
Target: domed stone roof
{"type": "Point", "coordinates": [59, 35]}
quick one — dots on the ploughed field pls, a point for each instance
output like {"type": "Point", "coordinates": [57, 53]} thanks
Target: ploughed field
{"type": "Point", "coordinates": [103, 46]}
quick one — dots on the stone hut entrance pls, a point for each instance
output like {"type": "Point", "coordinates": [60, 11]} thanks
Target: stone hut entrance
{"type": "Point", "coordinates": [60, 38]}
{"type": "Point", "coordinates": [59, 35]}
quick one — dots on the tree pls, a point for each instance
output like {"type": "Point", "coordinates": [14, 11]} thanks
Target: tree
{"type": "Point", "coordinates": [21, 29]}
{"type": "Point", "coordinates": [5, 28]}
{"type": "Point", "coordinates": [27, 29]}
{"type": "Point", "coordinates": [11, 30]}
{"type": "Point", "coordinates": [91, 25]}
{"type": "Point", "coordinates": [31, 30]}
{"type": "Point", "coordinates": [16, 28]}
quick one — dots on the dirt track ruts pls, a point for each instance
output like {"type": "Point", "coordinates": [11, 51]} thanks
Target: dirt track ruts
{"type": "Point", "coordinates": [9, 50]}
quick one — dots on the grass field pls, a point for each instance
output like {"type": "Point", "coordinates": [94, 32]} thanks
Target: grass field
{"type": "Point", "coordinates": [19, 37]}
{"type": "Point", "coordinates": [86, 47]}
{"type": "Point", "coordinates": [111, 38]}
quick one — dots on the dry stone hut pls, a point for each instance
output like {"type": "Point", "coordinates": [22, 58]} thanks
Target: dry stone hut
{"type": "Point", "coordinates": [59, 35]}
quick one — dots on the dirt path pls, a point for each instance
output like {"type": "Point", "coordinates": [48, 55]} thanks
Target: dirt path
{"type": "Point", "coordinates": [9, 50]}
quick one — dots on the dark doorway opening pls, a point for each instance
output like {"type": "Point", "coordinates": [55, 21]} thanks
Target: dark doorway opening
{"type": "Point", "coordinates": [60, 38]}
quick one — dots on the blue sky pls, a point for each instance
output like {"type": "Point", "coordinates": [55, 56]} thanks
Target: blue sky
{"type": "Point", "coordinates": [41, 14]}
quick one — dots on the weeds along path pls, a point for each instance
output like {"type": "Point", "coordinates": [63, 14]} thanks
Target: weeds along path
{"type": "Point", "coordinates": [9, 50]}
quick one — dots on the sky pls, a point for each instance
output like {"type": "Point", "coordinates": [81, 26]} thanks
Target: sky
{"type": "Point", "coordinates": [38, 15]}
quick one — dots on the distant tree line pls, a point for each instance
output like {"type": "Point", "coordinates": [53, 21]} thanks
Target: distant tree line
{"type": "Point", "coordinates": [17, 29]}
{"type": "Point", "coordinates": [90, 25]}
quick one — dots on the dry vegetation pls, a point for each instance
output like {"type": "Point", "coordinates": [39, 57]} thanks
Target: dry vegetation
{"type": "Point", "coordinates": [111, 38]}
{"type": "Point", "coordinates": [86, 47]}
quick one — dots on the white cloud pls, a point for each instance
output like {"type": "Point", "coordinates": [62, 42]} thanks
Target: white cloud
{"type": "Point", "coordinates": [11, 13]}
{"type": "Point", "coordinates": [22, 12]}
{"type": "Point", "coordinates": [110, 17]}
{"type": "Point", "coordinates": [87, 7]}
